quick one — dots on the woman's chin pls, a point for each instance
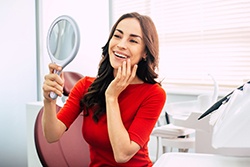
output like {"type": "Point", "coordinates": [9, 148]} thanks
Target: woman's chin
{"type": "Point", "coordinates": [116, 65]}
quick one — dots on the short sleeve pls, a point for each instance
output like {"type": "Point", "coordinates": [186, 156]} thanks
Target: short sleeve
{"type": "Point", "coordinates": [71, 109]}
{"type": "Point", "coordinates": [147, 115]}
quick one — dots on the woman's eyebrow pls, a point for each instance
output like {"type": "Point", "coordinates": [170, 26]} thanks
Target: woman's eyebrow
{"type": "Point", "coordinates": [119, 30]}
{"type": "Point", "coordinates": [132, 35]}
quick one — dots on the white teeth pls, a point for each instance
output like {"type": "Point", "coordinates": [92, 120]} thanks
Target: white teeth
{"type": "Point", "coordinates": [120, 55]}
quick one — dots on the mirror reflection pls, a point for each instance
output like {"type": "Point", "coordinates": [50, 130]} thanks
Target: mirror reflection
{"type": "Point", "coordinates": [62, 40]}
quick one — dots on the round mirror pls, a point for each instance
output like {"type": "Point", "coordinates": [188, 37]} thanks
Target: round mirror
{"type": "Point", "coordinates": [63, 42]}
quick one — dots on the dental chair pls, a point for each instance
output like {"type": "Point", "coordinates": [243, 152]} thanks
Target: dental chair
{"type": "Point", "coordinates": [222, 137]}
{"type": "Point", "coordinates": [173, 135]}
{"type": "Point", "coordinates": [170, 136]}
{"type": "Point", "coordinates": [71, 149]}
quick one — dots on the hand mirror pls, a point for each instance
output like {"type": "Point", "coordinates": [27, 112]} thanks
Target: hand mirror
{"type": "Point", "coordinates": [63, 42]}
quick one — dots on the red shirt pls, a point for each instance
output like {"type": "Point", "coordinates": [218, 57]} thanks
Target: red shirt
{"type": "Point", "coordinates": [140, 106]}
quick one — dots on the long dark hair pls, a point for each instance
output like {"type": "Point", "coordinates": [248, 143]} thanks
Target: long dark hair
{"type": "Point", "coordinates": [95, 97]}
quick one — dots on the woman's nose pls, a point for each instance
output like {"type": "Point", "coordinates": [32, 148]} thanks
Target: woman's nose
{"type": "Point", "coordinates": [122, 44]}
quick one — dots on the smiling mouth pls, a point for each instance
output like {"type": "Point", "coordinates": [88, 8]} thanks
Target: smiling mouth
{"type": "Point", "coordinates": [120, 55]}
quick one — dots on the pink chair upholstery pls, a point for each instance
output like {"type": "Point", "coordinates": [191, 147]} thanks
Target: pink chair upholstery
{"type": "Point", "coordinates": [70, 79]}
{"type": "Point", "coordinates": [71, 150]}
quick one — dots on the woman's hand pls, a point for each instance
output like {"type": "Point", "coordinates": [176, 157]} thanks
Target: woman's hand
{"type": "Point", "coordinates": [125, 75]}
{"type": "Point", "coordinates": [53, 82]}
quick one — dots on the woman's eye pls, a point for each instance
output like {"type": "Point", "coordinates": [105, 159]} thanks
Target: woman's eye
{"type": "Point", "coordinates": [134, 41]}
{"type": "Point", "coordinates": [117, 36]}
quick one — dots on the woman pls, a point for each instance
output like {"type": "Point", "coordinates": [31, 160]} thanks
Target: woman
{"type": "Point", "coordinates": [121, 105]}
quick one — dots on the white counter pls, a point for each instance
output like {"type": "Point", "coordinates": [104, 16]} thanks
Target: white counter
{"type": "Point", "coordinates": [32, 110]}
{"type": "Point", "coordinates": [198, 160]}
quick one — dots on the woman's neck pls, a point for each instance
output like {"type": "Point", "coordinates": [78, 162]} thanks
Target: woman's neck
{"type": "Point", "coordinates": [137, 80]}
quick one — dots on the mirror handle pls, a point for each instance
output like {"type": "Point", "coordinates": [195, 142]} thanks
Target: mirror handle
{"type": "Point", "coordinates": [53, 95]}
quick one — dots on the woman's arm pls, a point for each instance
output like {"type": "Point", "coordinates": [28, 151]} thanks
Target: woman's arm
{"type": "Point", "coordinates": [52, 127]}
{"type": "Point", "coordinates": [123, 148]}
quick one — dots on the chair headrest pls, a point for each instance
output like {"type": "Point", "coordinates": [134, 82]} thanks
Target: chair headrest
{"type": "Point", "coordinates": [70, 79]}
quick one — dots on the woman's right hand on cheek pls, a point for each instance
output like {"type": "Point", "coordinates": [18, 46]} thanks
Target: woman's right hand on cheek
{"type": "Point", "coordinates": [52, 82]}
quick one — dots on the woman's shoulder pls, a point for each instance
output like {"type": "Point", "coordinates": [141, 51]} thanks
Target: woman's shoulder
{"type": "Point", "coordinates": [148, 89]}
{"type": "Point", "coordinates": [156, 88]}
{"type": "Point", "coordinates": [88, 79]}
{"type": "Point", "coordinates": [82, 85]}
{"type": "Point", "coordinates": [84, 82]}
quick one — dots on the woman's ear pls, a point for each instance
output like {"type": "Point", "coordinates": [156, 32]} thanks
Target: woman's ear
{"type": "Point", "coordinates": [144, 57]}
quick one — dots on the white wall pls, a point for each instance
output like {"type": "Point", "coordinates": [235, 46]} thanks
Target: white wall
{"type": "Point", "coordinates": [92, 18]}
{"type": "Point", "coordinates": [18, 84]}
{"type": "Point", "coordinates": [18, 77]}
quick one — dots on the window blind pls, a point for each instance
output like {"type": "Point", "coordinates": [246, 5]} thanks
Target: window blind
{"type": "Point", "coordinates": [198, 38]}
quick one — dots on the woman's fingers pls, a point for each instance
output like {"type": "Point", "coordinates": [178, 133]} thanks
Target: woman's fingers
{"type": "Point", "coordinates": [133, 74]}
{"type": "Point", "coordinates": [55, 78]}
{"type": "Point", "coordinates": [124, 67]}
{"type": "Point", "coordinates": [50, 88]}
{"type": "Point", "coordinates": [53, 82]}
{"type": "Point", "coordinates": [128, 76]}
{"type": "Point", "coordinates": [125, 74]}
{"type": "Point", "coordinates": [53, 67]}
{"type": "Point", "coordinates": [128, 68]}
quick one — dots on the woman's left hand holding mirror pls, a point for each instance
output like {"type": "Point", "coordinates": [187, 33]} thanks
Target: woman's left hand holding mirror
{"type": "Point", "coordinates": [63, 42]}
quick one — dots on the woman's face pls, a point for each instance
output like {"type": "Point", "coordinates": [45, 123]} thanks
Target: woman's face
{"type": "Point", "coordinates": [126, 43]}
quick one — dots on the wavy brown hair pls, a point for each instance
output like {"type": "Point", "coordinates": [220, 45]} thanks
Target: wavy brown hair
{"type": "Point", "coordinates": [95, 97]}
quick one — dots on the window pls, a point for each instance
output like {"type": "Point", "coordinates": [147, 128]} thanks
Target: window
{"type": "Point", "coordinates": [198, 38]}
